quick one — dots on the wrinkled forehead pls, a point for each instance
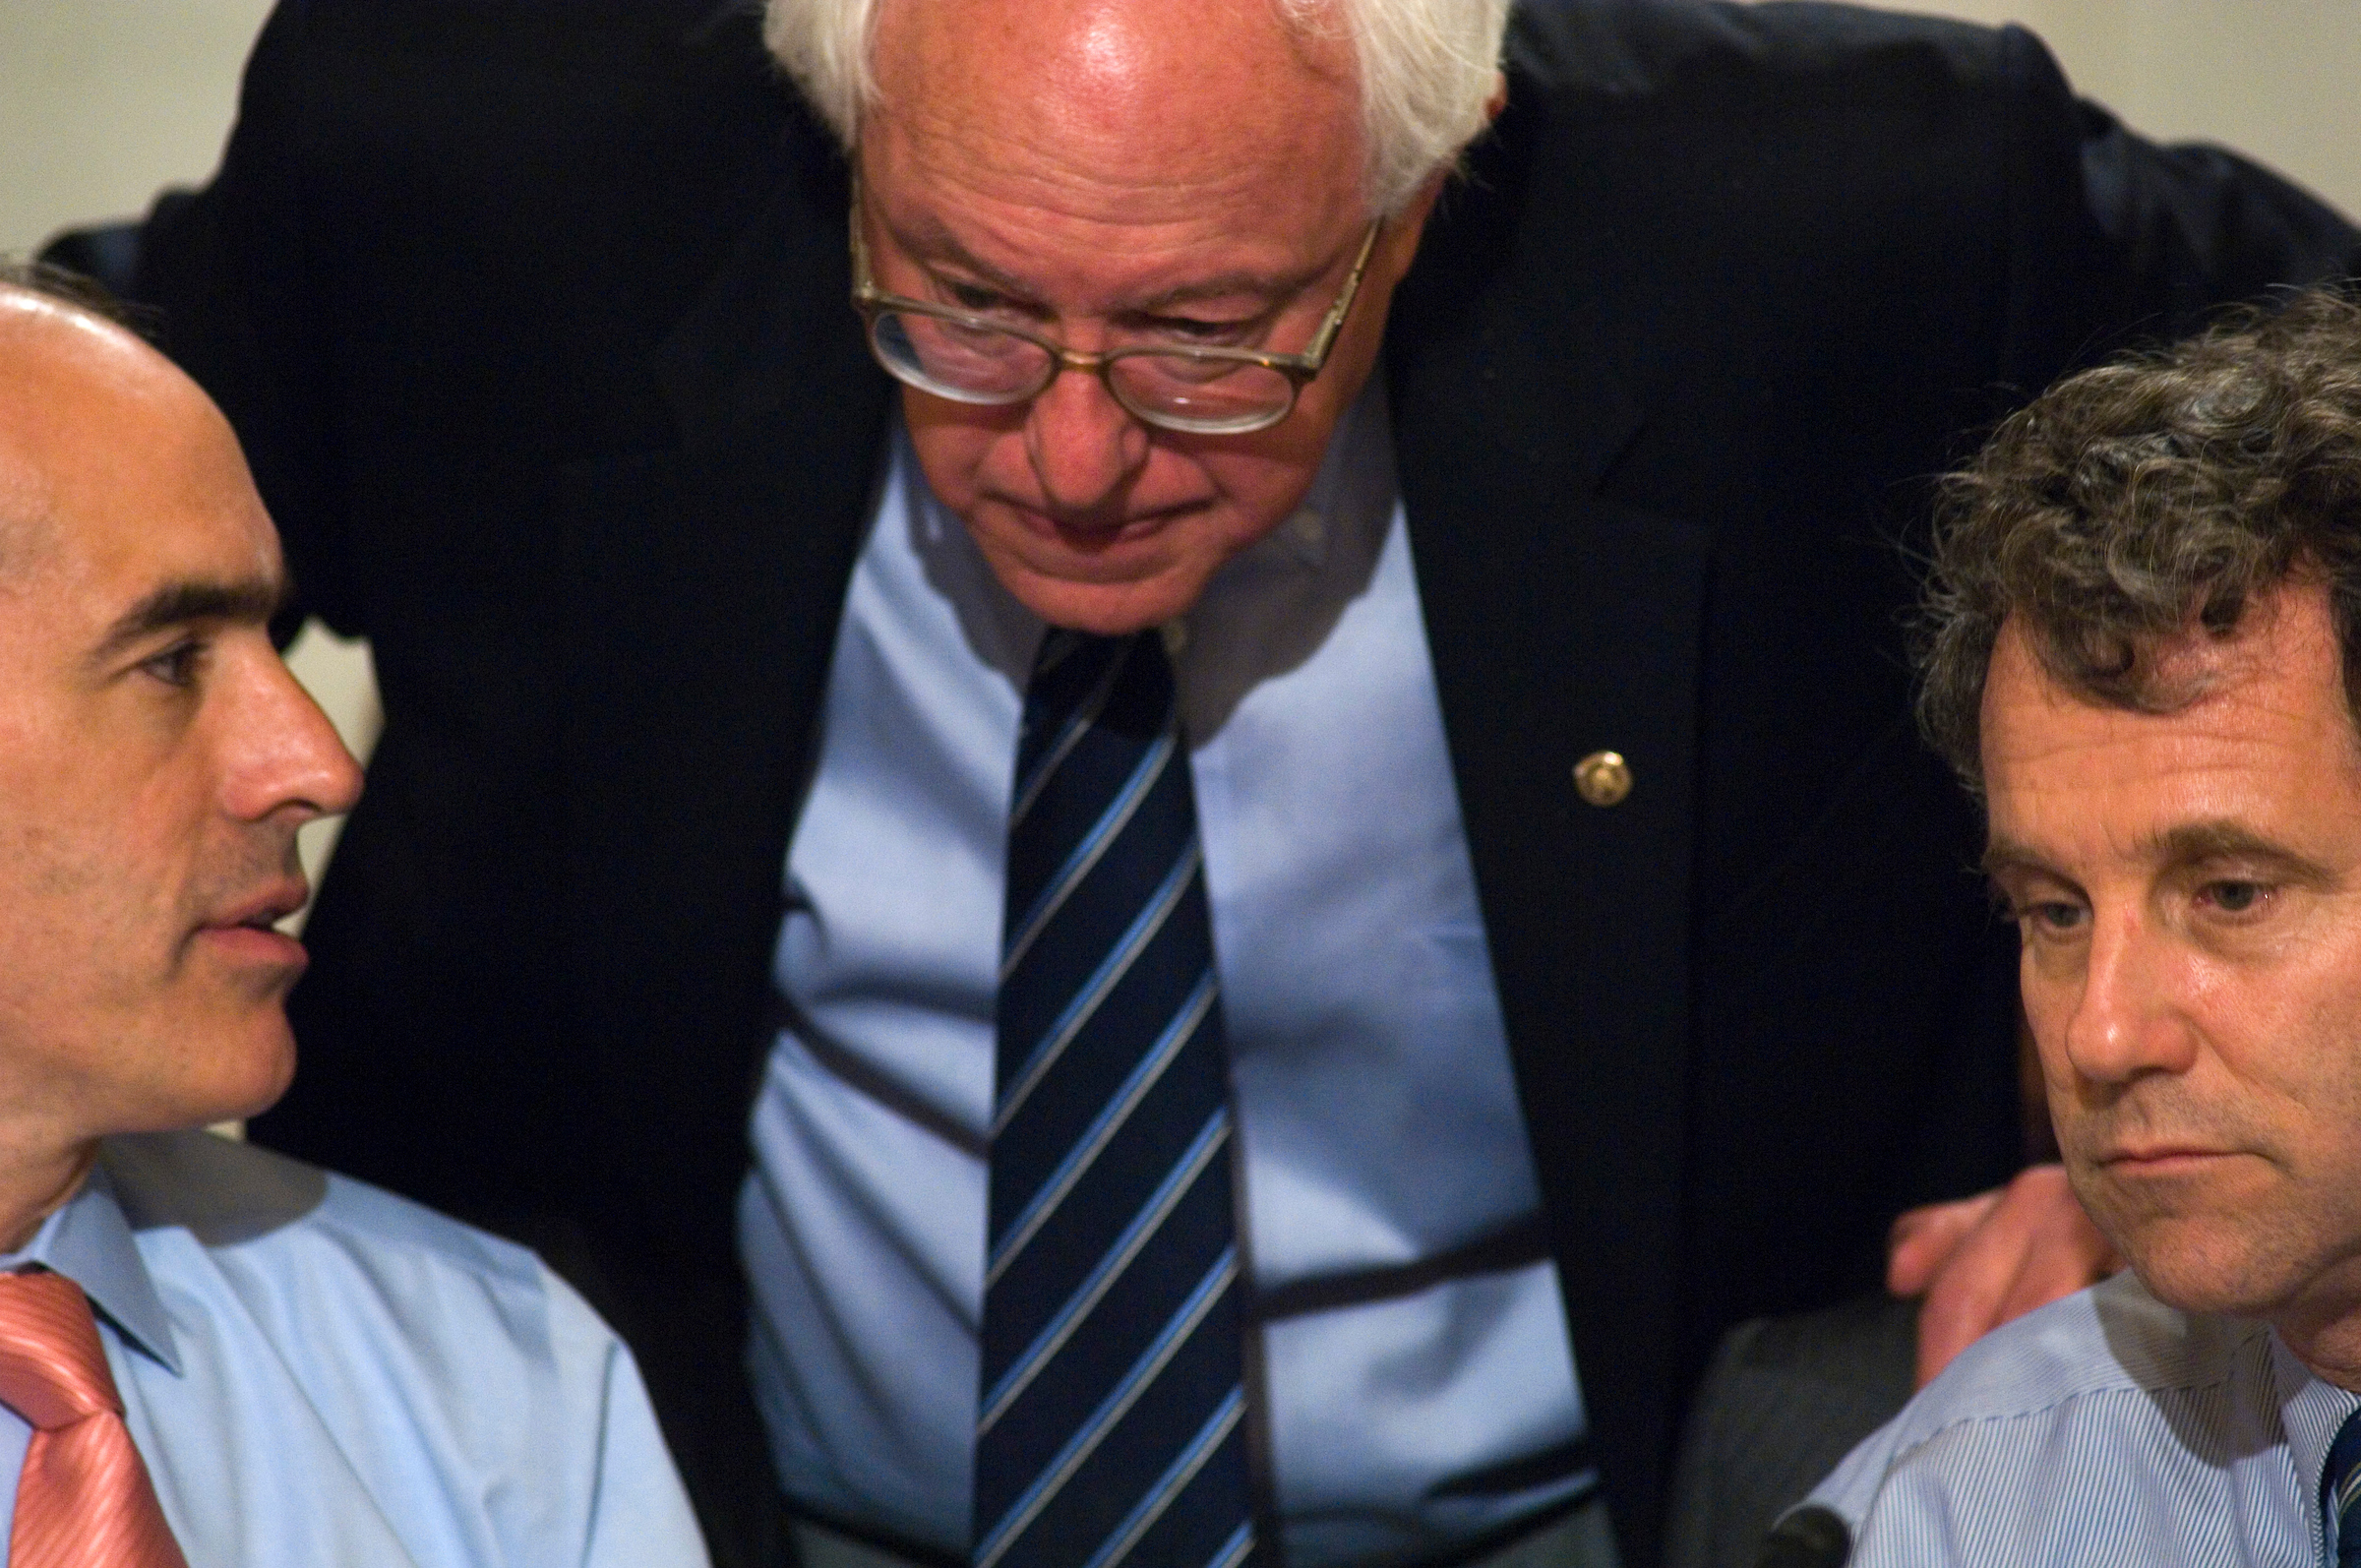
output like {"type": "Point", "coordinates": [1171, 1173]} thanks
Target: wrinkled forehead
{"type": "Point", "coordinates": [25, 510]}
{"type": "Point", "coordinates": [112, 460]}
{"type": "Point", "coordinates": [38, 338]}
{"type": "Point", "coordinates": [2253, 729]}
{"type": "Point", "coordinates": [1168, 103]}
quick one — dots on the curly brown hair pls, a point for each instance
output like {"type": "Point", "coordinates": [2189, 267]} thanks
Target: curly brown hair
{"type": "Point", "coordinates": [2150, 498]}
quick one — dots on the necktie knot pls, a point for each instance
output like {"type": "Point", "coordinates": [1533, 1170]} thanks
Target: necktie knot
{"type": "Point", "coordinates": [53, 1371]}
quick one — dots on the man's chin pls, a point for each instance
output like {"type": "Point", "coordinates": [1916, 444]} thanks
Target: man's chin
{"type": "Point", "coordinates": [2209, 1267]}
{"type": "Point", "coordinates": [248, 1065]}
{"type": "Point", "coordinates": [1113, 607]}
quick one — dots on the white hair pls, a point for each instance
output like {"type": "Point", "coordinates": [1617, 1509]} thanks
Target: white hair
{"type": "Point", "coordinates": [1429, 70]}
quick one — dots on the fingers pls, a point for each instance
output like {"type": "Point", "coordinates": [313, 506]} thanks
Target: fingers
{"type": "Point", "coordinates": [1966, 1295]}
{"type": "Point", "coordinates": [2032, 1247]}
{"type": "Point", "coordinates": [2065, 1251]}
{"type": "Point", "coordinates": [1923, 1239]}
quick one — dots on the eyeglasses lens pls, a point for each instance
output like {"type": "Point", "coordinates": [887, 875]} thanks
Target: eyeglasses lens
{"type": "Point", "coordinates": [955, 360]}
{"type": "Point", "coordinates": [1214, 396]}
{"type": "Point", "coordinates": [979, 365]}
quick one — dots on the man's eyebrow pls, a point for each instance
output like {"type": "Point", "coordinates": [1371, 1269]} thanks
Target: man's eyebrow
{"type": "Point", "coordinates": [1263, 285]}
{"type": "Point", "coordinates": [933, 245]}
{"type": "Point", "coordinates": [249, 602]}
{"type": "Point", "coordinates": [2006, 855]}
{"type": "Point", "coordinates": [2189, 844]}
{"type": "Point", "coordinates": [2194, 843]}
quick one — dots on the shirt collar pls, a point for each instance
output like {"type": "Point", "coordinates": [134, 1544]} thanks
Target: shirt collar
{"type": "Point", "coordinates": [2310, 1410]}
{"type": "Point", "coordinates": [1351, 501]}
{"type": "Point", "coordinates": [88, 1242]}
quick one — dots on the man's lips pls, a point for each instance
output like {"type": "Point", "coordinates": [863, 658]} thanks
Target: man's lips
{"type": "Point", "coordinates": [2163, 1159]}
{"type": "Point", "coordinates": [267, 907]}
{"type": "Point", "coordinates": [1093, 535]}
{"type": "Point", "coordinates": [249, 928]}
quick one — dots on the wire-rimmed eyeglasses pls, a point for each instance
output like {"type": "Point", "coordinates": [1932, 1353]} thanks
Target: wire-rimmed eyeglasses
{"type": "Point", "coordinates": [971, 358]}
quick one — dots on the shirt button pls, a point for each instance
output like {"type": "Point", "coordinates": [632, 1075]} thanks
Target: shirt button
{"type": "Point", "coordinates": [1602, 778]}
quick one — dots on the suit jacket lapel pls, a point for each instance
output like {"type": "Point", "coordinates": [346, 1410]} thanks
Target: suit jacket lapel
{"type": "Point", "coordinates": [1565, 622]}
{"type": "Point", "coordinates": [709, 579]}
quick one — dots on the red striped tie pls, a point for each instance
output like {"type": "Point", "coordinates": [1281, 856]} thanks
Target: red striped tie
{"type": "Point", "coordinates": [85, 1500]}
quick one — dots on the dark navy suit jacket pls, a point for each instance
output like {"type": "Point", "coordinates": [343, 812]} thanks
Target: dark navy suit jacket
{"type": "Point", "coordinates": [534, 317]}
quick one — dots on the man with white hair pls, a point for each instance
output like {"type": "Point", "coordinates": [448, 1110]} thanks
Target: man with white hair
{"type": "Point", "coordinates": [210, 1353]}
{"type": "Point", "coordinates": [1300, 842]}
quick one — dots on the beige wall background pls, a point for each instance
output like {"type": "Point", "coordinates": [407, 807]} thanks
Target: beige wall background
{"type": "Point", "coordinates": [2276, 78]}
{"type": "Point", "coordinates": [102, 102]}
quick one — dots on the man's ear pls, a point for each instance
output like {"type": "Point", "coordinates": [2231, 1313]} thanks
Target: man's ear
{"type": "Point", "coordinates": [1398, 246]}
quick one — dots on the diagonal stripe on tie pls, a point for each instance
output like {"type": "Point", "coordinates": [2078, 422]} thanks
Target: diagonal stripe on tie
{"type": "Point", "coordinates": [1119, 1403]}
{"type": "Point", "coordinates": [2339, 1489]}
{"type": "Point", "coordinates": [1111, 1120]}
{"type": "Point", "coordinates": [1136, 791]}
{"type": "Point", "coordinates": [84, 1497]}
{"type": "Point", "coordinates": [1109, 1424]}
{"type": "Point", "coordinates": [1174, 1484]}
{"type": "Point", "coordinates": [1212, 1144]}
{"type": "Point", "coordinates": [1085, 1003]}
{"type": "Point", "coordinates": [1152, 1462]}
{"type": "Point", "coordinates": [1033, 771]}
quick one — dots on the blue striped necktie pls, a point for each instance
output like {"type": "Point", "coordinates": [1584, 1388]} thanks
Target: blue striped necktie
{"type": "Point", "coordinates": [1111, 1429]}
{"type": "Point", "coordinates": [2340, 1494]}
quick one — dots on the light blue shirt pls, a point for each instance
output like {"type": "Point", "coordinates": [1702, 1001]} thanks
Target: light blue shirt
{"type": "Point", "coordinates": [319, 1375]}
{"type": "Point", "coordinates": [2106, 1428]}
{"type": "Point", "coordinates": [1379, 1119]}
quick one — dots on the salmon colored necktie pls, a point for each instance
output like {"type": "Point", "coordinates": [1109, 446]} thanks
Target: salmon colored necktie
{"type": "Point", "coordinates": [85, 1500]}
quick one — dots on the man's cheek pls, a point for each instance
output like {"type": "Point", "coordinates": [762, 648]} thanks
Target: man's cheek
{"type": "Point", "coordinates": [959, 446]}
{"type": "Point", "coordinates": [2061, 1085]}
{"type": "Point", "coordinates": [2080, 1140]}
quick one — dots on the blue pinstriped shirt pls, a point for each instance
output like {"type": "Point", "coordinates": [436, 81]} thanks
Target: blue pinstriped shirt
{"type": "Point", "coordinates": [2107, 1428]}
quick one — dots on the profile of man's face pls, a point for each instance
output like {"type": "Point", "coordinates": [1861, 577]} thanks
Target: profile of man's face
{"type": "Point", "coordinates": [1106, 172]}
{"type": "Point", "coordinates": [156, 758]}
{"type": "Point", "coordinates": [2188, 886]}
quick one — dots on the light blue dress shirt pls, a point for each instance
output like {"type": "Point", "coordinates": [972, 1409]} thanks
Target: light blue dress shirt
{"type": "Point", "coordinates": [319, 1375]}
{"type": "Point", "coordinates": [2106, 1428]}
{"type": "Point", "coordinates": [1380, 1125]}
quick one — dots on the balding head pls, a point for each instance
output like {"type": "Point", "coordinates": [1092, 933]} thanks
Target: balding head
{"type": "Point", "coordinates": [1099, 121]}
{"type": "Point", "coordinates": [30, 304]}
{"type": "Point", "coordinates": [1424, 74]}
{"type": "Point", "coordinates": [23, 513]}
{"type": "Point", "coordinates": [1100, 97]}
{"type": "Point", "coordinates": [74, 380]}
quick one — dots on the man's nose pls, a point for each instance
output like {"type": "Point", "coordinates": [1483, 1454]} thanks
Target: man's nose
{"type": "Point", "coordinates": [1085, 448]}
{"type": "Point", "coordinates": [2129, 1019]}
{"type": "Point", "coordinates": [279, 754]}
